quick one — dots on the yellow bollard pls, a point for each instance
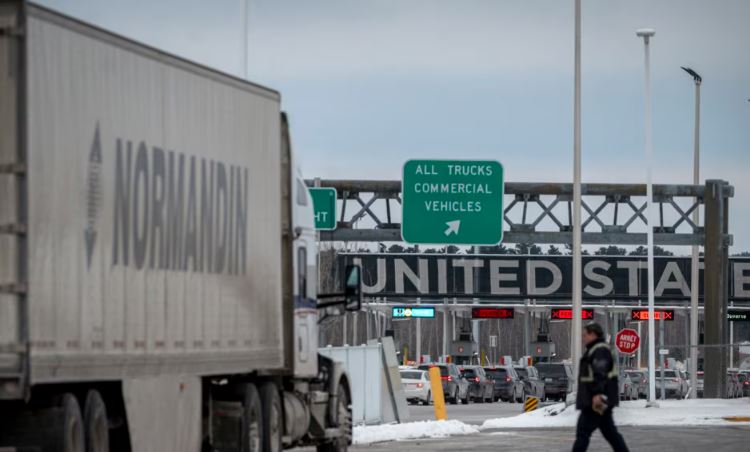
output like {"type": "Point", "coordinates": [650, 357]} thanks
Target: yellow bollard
{"type": "Point", "coordinates": [530, 404]}
{"type": "Point", "coordinates": [438, 399]}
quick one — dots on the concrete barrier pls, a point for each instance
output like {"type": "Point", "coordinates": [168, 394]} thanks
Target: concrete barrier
{"type": "Point", "coordinates": [377, 394]}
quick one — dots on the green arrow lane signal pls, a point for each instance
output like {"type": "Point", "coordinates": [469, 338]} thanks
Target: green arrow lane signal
{"type": "Point", "coordinates": [456, 202]}
{"type": "Point", "coordinates": [324, 206]}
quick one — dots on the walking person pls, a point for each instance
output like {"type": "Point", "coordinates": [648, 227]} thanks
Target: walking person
{"type": "Point", "coordinates": [598, 392]}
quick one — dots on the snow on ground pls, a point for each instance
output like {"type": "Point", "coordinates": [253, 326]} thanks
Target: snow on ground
{"type": "Point", "coordinates": [670, 412]}
{"type": "Point", "coordinates": [411, 430]}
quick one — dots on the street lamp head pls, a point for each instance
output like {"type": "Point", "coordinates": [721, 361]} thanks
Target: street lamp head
{"type": "Point", "coordinates": [641, 32]}
{"type": "Point", "coordinates": [693, 74]}
{"type": "Point", "coordinates": [645, 33]}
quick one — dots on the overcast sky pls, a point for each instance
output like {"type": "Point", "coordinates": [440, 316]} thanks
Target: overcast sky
{"type": "Point", "coordinates": [370, 84]}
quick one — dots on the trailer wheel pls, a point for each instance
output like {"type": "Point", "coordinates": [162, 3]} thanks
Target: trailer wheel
{"type": "Point", "coordinates": [252, 420]}
{"type": "Point", "coordinates": [273, 425]}
{"type": "Point", "coordinates": [344, 420]}
{"type": "Point", "coordinates": [96, 424]}
{"type": "Point", "coordinates": [68, 430]}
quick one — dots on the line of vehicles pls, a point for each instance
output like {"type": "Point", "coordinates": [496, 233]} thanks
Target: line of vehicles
{"type": "Point", "coordinates": [634, 383]}
{"type": "Point", "coordinates": [546, 381]}
{"type": "Point", "coordinates": [487, 384]}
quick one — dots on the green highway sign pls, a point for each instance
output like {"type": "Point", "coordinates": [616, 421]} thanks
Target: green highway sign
{"type": "Point", "coordinates": [457, 202]}
{"type": "Point", "coordinates": [324, 206]}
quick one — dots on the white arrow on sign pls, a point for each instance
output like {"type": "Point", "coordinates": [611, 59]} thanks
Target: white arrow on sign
{"type": "Point", "coordinates": [453, 227]}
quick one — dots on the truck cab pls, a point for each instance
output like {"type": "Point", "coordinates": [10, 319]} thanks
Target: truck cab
{"type": "Point", "coordinates": [305, 258]}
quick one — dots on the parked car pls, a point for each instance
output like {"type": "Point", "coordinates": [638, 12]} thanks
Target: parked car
{"type": "Point", "coordinates": [416, 384]}
{"type": "Point", "coordinates": [674, 385]}
{"type": "Point", "coordinates": [481, 389]}
{"type": "Point", "coordinates": [508, 387]}
{"type": "Point", "coordinates": [639, 379]}
{"type": "Point", "coordinates": [532, 384]}
{"type": "Point", "coordinates": [558, 379]}
{"type": "Point", "coordinates": [628, 389]}
{"type": "Point", "coordinates": [455, 387]}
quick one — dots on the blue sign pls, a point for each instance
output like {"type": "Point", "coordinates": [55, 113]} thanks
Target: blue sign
{"type": "Point", "coordinates": [406, 312]}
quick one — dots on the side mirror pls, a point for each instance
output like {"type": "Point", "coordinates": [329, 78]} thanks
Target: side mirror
{"type": "Point", "coordinates": [353, 288]}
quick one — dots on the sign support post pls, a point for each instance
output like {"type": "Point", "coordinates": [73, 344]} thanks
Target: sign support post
{"type": "Point", "coordinates": [716, 291]}
{"type": "Point", "coordinates": [731, 344]}
{"type": "Point", "coordinates": [418, 347]}
{"type": "Point", "coordinates": [662, 357]}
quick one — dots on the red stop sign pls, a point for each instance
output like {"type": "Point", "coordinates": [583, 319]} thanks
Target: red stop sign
{"type": "Point", "coordinates": [627, 340]}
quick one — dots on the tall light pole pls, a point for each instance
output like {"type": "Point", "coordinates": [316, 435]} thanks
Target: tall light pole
{"type": "Point", "coordinates": [576, 324]}
{"type": "Point", "coordinates": [245, 37]}
{"type": "Point", "coordinates": [694, 275]}
{"type": "Point", "coordinates": [647, 34]}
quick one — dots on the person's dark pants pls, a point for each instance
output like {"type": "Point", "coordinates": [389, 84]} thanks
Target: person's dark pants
{"type": "Point", "coordinates": [590, 421]}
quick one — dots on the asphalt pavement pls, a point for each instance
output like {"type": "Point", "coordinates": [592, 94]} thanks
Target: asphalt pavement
{"type": "Point", "coordinates": [474, 413]}
{"type": "Point", "coordinates": [689, 438]}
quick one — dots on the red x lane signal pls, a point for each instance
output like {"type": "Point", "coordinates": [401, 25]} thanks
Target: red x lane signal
{"type": "Point", "coordinates": [642, 314]}
{"type": "Point", "coordinates": [492, 313]}
{"type": "Point", "coordinates": [567, 314]}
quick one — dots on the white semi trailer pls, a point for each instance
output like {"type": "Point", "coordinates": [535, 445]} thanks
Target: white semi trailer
{"type": "Point", "coordinates": [157, 254]}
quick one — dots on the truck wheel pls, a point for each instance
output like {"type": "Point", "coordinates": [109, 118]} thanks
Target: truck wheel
{"type": "Point", "coordinates": [69, 426]}
{"type": "Point", "coordinates": [96, 424]}
{"type": "Point", "coordinates": [344, 420]}
{"type": "Point", "coordinates": [273, 426]}
{"type": "Point", "coordinates": [252, 420]}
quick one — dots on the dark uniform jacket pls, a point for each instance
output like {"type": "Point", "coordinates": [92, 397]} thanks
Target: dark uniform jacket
{"type": "Point", "coordinates": [597, 375]}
